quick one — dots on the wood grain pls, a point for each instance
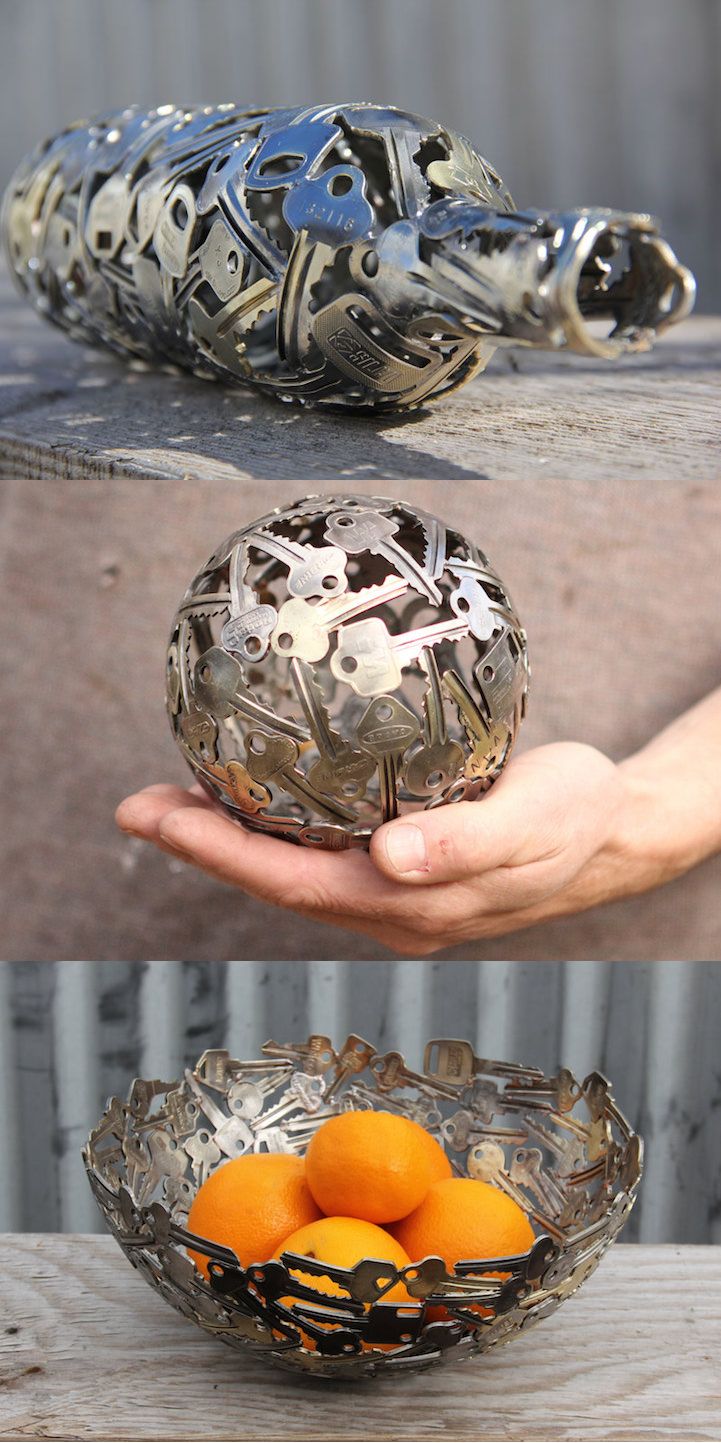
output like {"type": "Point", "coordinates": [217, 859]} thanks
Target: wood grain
{"type": "Point", "coordinates": [88, 1352]}
{"type": "Point", "coordinates": [67, 410]}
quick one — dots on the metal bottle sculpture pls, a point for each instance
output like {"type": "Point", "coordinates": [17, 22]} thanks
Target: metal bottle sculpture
{"type": "Point", "coordinates": [348, 254]}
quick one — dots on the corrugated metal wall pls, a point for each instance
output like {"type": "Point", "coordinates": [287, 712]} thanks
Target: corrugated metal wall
{"type": "Point", "coordinates": [71, 1033]}
{"type": "Point", "coordinates": [576, 101]}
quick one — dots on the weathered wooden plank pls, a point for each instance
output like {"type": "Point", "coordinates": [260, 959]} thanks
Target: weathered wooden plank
{"type": "Point", "coordinates": [68, 410]}
{"type": "Point", "coordinates": [88, 1352]}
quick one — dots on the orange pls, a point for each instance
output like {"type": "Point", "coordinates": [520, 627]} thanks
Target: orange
{"type": "Point", "coordinates": [438, 1159]}
{"type": "Point", "coordinates": [342, 1242]}
{"type": "Point", "coordinates": [371, 1165]}
{"type": "Point", "coordinates": [345, 1241]}
{"type": "Point", "coordinates": [460, 1219]}
{"type": "Point", "coordinates": [250, 1204]}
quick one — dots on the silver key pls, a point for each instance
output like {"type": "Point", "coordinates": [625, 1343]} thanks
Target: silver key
{"type": "Point", "coordinates": [219, 686]}
{"type": "Point", "coordinates": [527, 1170]}
{"type": "Point", "coordinates": [501, 677]}
{"type": "Point", "coordinates": [167, 1159]}
{"type": "Point", "coordinates": [273, 759]}
{"type": "Point", "coordinates": [358, 529]}
{"type": "Point", "coordinates": [463, 1127]}
{"type": "Point", "coordinates": [438, 761]}
{"type": "Point", "coordinates": [316, 1055]}
{"type": "Point", "coordinates": [470, 600]}
{"type": "Point", "coordinates": [305, 630]}
{"type": "Point", "coordinates": [434, 554]}
{"type": "Point", "coordinates": [486, 744]}
{"type": "Point", "coordinates": [390, 1071]}
{"type": "Point", "coordinates": [223, 261]}
{"type": "Point", "coordinates": [173, 234]}
{"type": "Point", "coordinates": [569, 1150]}
{"type": "Point", "coordinates": [199, 731]}
{"type": "Point", "coordinates": [248, 629]}
{"type": "Point", "coordinates": [305, 1092]}
{"type": "Point", "coordinates": [312, 570]}
{"type": "Point", "coordinates": [486, 1162]}
{"type": "Point", "coordinates": [203, 1152]}
{"type": "Point", "coordinates": [341, 769]}
{"type": "Point", "coordinates": [452, 1060]}
{"type": "Point", "coordinates": [386, 730]}
{"type": "Point", "coordinates": [370, 659]}
{"type": "Point", "coordinates": [353, 1058]}
{"type": "Point", "coordinates": [232, 1134]}
{"type": "Point", "coordinates": [560, 1093]}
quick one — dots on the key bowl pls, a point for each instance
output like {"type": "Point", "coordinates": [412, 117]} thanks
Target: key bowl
{"type": "Point", "coordinates": [342, 661]}
{"type": "Point", "coordinates": [560, 1147]}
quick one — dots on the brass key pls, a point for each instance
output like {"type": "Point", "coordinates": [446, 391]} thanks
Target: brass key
{"type": "Point", "coordinates": [386, 730]}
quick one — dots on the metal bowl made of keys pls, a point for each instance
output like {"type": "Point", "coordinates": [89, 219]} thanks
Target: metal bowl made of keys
{"type": "Point", "coordinates": [340, 662]}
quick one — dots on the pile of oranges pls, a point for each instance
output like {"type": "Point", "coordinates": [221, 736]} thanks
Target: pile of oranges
{"type": "Point", "coordinates": [371, 1185]}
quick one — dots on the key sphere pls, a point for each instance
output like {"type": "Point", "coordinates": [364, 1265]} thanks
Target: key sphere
{"type": "Point", "coordinates": [341, 661]}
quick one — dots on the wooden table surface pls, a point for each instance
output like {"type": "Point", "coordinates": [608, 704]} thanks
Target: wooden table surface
{"type": "Point", "coordinates": [66, 409]}
{"type": "Point", "coordinates": [88, 1351]}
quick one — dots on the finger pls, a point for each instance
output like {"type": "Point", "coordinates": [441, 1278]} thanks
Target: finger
{"type": "Point", "coordinates": [529, 813]}
{"type": "Point", "coordinates": [141, 813]}
{"type": "Point", "coordinates": [344, 883]}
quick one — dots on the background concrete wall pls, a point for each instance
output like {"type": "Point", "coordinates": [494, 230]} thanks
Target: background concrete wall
{"type": "Point", "coordinates": [608, 102]}
{"type": "Point", "coordinates": [71, 1033]}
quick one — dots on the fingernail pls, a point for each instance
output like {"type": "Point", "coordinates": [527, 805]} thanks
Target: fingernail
{"type": "Point", "coordinates": [406, 849]}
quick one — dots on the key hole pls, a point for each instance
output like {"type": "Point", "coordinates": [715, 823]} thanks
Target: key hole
{"type": "Point", "coordinates": [384, 711]}
{"type": "Point", "coordinates": [253, 645]}
{"type": "Point", "coordinates": [349, 665]}
{"type": "Point", "coordinates": [434, 779]}
{"type": "Point", "coordinates": [488, 673]}
{"type": "Point", "coordinates": [232, 262]}
{"type": "Point", "coordinates": [463, 603]}
{"type": "Point", "coordinates": [258, 744]}
{"type": "Point", "coordinates": [256, 794]}
{"type": "Point", "coordinates": [329, 582]}
{"type": "Point", "coordinates": [341, 184]}
{"type": "Point", "coordinates": [180, 214]}
{"type": "Point", "coordinates": [285, 640]}
{"type": "Point", "coordinates": [345, 521]}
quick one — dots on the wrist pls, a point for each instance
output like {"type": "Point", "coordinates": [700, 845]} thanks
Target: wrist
{"type": "Point", "coordinates": [659, 833]}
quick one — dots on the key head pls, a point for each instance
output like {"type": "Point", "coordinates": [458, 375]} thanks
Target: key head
{"type": "Point", "coordinates": [248, 633]}
{"type": "Point", "coordinates": [299, 631]}
{"type": "Point", "coordinates": [486, 1160]}
{"type": "Point", "coordinates": [217, 679]}
{"type": "Point", "coordinates": [321, 572]}
{"type": "Point", "coordinates": [387, 728]}
{"type": "Point", "coordinates": [199, 730]}
{"type": "Point", "coordinates": [269, 755]}
{"type": "Point", "coordinates": [346, 775]}
{"type": "Point", "coordinates": [470, 602]}
{"type": "Point", "coordinates": [359, 530]}
{"type": "Point", "coordinates": [501, 677]}
{"type": "Point", "coordinates": [247, 791]}
{"type": "Point", "coordinates": [433, 768]}
{"type": "Point", "coordinates": [364, 658]}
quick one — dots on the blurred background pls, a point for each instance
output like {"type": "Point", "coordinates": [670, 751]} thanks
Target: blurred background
{"type": "Point", "coordinates": [72, 1033]}
{"type": "Point", "coordinates": [577, 102]}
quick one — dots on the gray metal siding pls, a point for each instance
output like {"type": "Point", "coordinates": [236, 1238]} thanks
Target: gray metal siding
{"type": "Point", "coordinates": [72, 1033]}
{"type": "Point", "coordinates": [576, 101]}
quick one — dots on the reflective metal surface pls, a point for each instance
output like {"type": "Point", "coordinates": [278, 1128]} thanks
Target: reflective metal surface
{"type": "Point", "coordinates": [349, 254]}
{"type": "Point", "coordinates": [341, 661]}
{"type": "Point", "coordinates": [560, 1148]}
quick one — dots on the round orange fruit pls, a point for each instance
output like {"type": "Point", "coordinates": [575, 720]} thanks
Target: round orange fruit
{"type": "Point", "coordinates": [462, 1218]}
{"type": "Point", "coordinates": [343, 1242]}
{"type": "Point", "coordinates": [439, 1160]}
{"type": "Point", "coordinates": [250, 1204]}
{"type": "Point", "coordinates": [370, 1165]}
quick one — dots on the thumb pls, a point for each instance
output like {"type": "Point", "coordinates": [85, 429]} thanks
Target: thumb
{"type": "Point", "coordinates": [519, 820]}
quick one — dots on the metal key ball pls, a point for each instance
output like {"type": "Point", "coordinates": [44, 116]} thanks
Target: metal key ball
{"type": "Point", "coordinates": [342, 661]}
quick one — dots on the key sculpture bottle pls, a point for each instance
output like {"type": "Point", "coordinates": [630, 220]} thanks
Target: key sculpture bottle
{"type": "Point", "coordinates": [350, 255]}
{"type": "Point", "coordinates": [341, 661]}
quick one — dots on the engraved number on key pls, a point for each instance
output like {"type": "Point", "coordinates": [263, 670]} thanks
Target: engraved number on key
{"type": "Point", "coordinates": [312, 570]}
{"type": "Point", "coordinates": [386, 730]}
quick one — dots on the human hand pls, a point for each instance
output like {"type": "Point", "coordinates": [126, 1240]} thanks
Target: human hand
{"type": "Point", "coordinates": [553, 836]}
